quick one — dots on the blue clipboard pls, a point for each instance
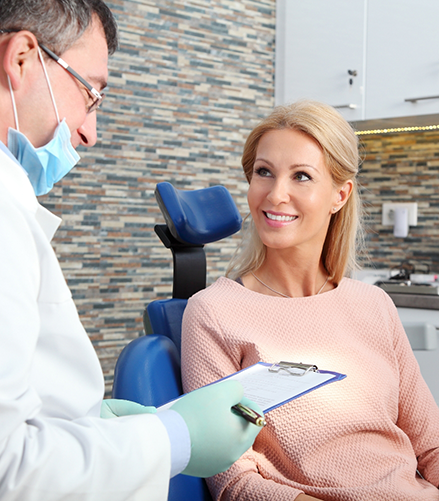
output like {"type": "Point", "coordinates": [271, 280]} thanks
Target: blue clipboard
{"type": "Point", "coordinates": [273, 385]}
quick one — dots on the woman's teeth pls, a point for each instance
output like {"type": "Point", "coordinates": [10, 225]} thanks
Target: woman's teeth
{"type": "Point", "coordinates": [280, 218]}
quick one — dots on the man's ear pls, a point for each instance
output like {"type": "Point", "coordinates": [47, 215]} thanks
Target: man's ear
{"type": "Point", "coordinates": [20, 55]}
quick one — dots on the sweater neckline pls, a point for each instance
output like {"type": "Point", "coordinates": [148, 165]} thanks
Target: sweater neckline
{"type": "Point", "coordinates": [238, 283]}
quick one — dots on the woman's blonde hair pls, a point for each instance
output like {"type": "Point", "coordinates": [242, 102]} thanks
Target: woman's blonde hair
{"type": "Point", "coordinates": [339, 144]}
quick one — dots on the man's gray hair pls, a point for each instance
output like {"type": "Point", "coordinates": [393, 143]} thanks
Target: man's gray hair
{"type": "Point", "coordinates": [58, 24]}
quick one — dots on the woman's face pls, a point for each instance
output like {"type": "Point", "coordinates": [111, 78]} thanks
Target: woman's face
{"type": "Point", "coordinates": [291, 194]}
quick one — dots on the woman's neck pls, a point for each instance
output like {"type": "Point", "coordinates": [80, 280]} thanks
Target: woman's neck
{"type": "Point", "coordinates": [289, 275]}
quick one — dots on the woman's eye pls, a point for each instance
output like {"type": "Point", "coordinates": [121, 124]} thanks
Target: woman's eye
{"type": "Point", "coordinates": [262, 171]}
{"type": "Point", "coordinates": [302, 176]}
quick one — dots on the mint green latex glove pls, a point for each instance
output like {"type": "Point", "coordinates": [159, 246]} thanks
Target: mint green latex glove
{"type": "Point", "coordinates": [112, 407]}
{"type": "Point", "coordinates": [218, 436]}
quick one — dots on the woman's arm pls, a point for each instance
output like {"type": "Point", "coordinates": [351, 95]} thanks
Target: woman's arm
{"type": "Point", "coordinates": [418, 414]}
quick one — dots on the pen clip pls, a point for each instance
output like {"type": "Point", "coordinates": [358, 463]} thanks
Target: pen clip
{"type": "Point", "coordinates": [292, 367]}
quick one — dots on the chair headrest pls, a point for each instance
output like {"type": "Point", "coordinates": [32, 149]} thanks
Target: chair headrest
{"type": "Point", "coordinates": [198, 217]}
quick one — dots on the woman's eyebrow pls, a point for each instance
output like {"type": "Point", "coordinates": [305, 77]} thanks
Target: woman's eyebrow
{"type": "Point", "coordinates": [293, 166]}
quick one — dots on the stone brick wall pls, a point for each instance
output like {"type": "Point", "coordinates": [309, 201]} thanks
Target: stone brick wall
{"type": "Point", "coordinates": [189, 82]}
{"type": "Point", "coordinates": [402, 167]}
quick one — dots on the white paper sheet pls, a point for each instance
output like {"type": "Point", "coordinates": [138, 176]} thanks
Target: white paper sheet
{"type": "Point", "coordinates": [271, 389]}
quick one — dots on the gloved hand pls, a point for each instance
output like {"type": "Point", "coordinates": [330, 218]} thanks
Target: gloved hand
{"type": "Point", "coordinates": [218, 435]}
{"type": "Point", "coordinates": [112, 407]}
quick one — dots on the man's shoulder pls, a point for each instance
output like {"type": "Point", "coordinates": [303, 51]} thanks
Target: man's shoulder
{"type": "Point", "coordinates": [15, 227]}
{"type": "Point", "coordinates": [15, 181]}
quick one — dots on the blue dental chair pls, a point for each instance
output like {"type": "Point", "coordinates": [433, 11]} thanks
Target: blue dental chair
{"type": "Point", "coordinates": [148, 370]}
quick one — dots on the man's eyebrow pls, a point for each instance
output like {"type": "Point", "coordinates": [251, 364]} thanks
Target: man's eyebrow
{"type": "Point", "coordinates": [98, 82]}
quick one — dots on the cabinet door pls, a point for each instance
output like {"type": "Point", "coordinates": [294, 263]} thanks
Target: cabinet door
{"type": "Point", "coordinates": [428, 360]}
{"type": "Point", "coordinates": [402, 58]}
{"type": "Point", "coordinates": [317, 43]}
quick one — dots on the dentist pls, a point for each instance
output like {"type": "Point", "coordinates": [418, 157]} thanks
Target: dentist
{"type": "Point", "coordinates": [53, 443]}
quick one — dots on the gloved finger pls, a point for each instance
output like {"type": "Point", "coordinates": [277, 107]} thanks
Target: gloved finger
{"type": "Point", "coordinates": [111, 408]}
{"type": "Point", "coordinates": [214, 400]}
{"type": "Point", "coordinates": [218, 436]}
{"type": "Point", "coordinates": [230, 390]}
{"type": "Point", "coordinates": [253, 405]}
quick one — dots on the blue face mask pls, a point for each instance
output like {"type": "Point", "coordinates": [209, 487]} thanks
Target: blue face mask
{"type": "Point", "coordinates": [46, 165]}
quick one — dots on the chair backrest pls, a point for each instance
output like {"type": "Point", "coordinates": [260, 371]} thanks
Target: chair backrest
{"type": "Point", "coordinates": [165, 316]}
{"type": "Point", "coordinates": [148, 372]}
{"type": "Point", "coordinates": [148, 369]}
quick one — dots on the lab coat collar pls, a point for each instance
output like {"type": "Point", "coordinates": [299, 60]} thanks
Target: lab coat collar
{"type": "Point", "coordinates": [49, 222]}
{"type": "Point", "coordinates": [15, 179]}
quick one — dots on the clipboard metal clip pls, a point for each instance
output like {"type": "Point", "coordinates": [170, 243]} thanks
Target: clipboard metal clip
{"type": "Point", "coordinates": [293, 368]}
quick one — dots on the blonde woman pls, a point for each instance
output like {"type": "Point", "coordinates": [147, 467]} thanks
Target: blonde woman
{"type": "Point", "coordinates": [374, 435]}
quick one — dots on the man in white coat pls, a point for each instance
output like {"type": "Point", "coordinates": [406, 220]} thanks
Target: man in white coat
{"type": "Point", "coordinates": [53, 443]}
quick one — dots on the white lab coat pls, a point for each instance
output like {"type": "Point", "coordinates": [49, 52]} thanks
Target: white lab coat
{"type": "Point", "coordinates": [53, 445]}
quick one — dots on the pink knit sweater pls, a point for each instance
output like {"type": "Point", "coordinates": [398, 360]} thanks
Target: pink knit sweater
{"type": "Point", "coordinates": [362, 438]}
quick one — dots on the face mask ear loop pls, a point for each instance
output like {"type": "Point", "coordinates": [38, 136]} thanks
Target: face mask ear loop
{"type": "Point", "coordinates": [48, 83]}
{"type": "Point", "coordinates": [14, 107]}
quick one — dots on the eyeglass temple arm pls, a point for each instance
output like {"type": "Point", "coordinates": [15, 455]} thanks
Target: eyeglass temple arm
{"type": "Point", "coordinates": [62, 63]}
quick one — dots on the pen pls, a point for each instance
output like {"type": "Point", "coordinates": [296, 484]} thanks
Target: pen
{"type": "Point", "coordinates": [249, 414]}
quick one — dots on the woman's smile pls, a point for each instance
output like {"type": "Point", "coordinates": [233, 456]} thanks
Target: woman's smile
{"type": "Point", "coordinates": [278, 219]}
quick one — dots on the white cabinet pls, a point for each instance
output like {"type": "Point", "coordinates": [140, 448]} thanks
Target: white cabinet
{"type": "Point", "coordinates": [428, 360]}
{"type": "Point", "coordinates": [317, 43]}
{"type": "Point", "coordinates": [392, 46]}
{"type": "Point", "coordinates": [402, 58]}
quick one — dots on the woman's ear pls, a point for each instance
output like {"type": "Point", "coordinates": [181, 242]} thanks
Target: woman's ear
{"type": "Point", "coordinates": [342, 195]}
{"type": "Point", "coordinates": [19, 57]}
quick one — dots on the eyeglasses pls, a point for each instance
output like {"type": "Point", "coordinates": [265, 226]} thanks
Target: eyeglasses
{"type": "Point", "coordinates": [95, 97]}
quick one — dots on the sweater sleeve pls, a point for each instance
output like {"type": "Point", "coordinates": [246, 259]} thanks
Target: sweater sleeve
{"type": "Point", "coordinates": [418, 414]}
{"type": "Point", "coordinates": [206, 357]}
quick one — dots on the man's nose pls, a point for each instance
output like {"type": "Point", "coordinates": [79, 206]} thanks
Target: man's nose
{"type": "Point", "coordinates": [87, 131]}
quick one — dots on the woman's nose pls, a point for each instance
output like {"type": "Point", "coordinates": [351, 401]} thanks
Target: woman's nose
{"type": "Point", "coordinates": [278, 193]}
